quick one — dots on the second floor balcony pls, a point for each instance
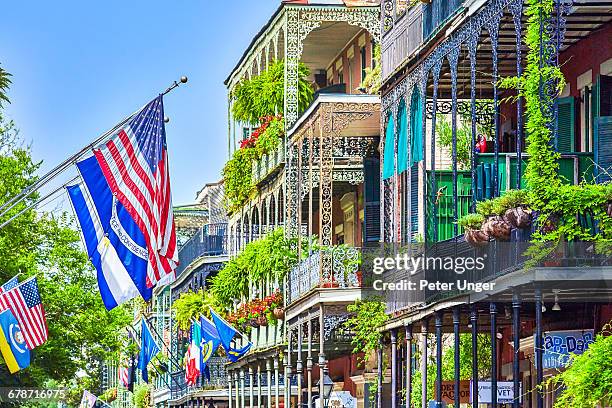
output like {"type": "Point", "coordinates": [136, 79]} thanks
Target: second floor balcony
{"type": "Point", "coordinates": [210, 240]}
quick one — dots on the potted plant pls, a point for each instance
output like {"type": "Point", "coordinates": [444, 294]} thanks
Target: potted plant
{"type": "Point", "coordinates": [472, 224]}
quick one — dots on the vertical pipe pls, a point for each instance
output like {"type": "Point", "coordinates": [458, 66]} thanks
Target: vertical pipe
{"type": "Point", "coordinates": [309, 364]}
{"type": "Point", "coordinates": [538, 349]}
{"type": "Point", "coordinates": [299, 367]}
{"type": "Point", "coordinates": [408, 364]}
{"type": "Point", "coordinates": [229, 390]}
{"type": "Point", "coordinates": [276, 383]}
{"type": "Point", "coordinates": [379, 375]}
{"type": "Point", "coordinates": [516, 333]}
{"type": "Point", "coordinates": [439, 317]}
{"type": "Point", "coordinates": [393, 368]}
{"type": "Point", "coordinates": [457, 349]}
{"type": "Point", "coordinates": [288, 369]}
{"type": "Point", "coordinates": [493, 313]}
{"type": "Point", "coordinates": [243, 388]}
{"type": "Point", "coordinates": [251, 387]}
{"type": "Point", "coordinates": [474, 322]}
{"type": "Point", "coordinates": [269, 382]}
{"type": "Point", "coordinates": [424, 364]}
{"type": "Point", "coordinates": [259, 394]}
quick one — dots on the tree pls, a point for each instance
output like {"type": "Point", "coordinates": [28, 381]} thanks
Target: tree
{"type": "Point", "coordinates": [5, 81]}
{"type": "Point", "coordinates": [81, 332]}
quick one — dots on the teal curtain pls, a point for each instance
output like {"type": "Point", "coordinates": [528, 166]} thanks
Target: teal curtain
{"type": "Point", "coordinates": [402, 140]}
{"type": "Point", "coordinates": [389, 154]}
{"type": "Point", "coordinates": [416, 128]}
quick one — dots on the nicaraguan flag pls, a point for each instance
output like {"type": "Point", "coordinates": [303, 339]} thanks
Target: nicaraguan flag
{"type": "Point", "coordinates": [12, 343]}
{"type": "Point", "coordinates": [115, 244]}
{"type": "Point", "coordinates": [226, 335]}
{"type": "Point", "coordinates": [148, 350]}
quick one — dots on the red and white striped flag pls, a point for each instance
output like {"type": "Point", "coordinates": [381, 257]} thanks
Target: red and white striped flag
{"type": "Point", "coordinates": [135, 165]}
{"type": "Point", "coordinates": [25, 303]}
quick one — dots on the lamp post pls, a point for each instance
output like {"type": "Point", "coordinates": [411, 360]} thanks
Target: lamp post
{"type": "Point", "coordinates": [328, 386]}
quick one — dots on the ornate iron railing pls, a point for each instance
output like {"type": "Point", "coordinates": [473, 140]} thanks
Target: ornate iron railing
{"type": "Point", "coordinates": [401, 41]}
{"type": "Point", "coordinates": [210, 240]}
{"type": "Point", "coordinates": [268, 163]}
{"type": "Point", "coordinates": [309, 273]}
{"type": "Point", "coordinates": [218, 379]}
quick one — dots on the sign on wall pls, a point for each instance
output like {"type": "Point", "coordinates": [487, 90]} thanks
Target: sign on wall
{"type": "Point", "coordinates": [505, 392]}
{"type": "Point", "coordinates": [559, 345]}
{"type": "Point", "coordinates": [448, 392]}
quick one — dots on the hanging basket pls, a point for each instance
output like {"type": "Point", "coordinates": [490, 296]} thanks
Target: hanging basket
{"type": "Point", "coordinates": [497, 228]}
{"type": "Point", "coordinates": [262, 321]}
{"type": "Point", "coordinates": [608, 208]}
{"type": "Point", "coordinates": [476, 238]}
{"type": "Point", "coordinates": [518, 217]}
{"type": "Point", "coordinates": [278, 312]}
{"type": "Point", "coordinates": [254, 322]}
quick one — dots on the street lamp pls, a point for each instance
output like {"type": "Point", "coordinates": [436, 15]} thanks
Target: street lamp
{"type": "Point", "coordinates": [328, 386]}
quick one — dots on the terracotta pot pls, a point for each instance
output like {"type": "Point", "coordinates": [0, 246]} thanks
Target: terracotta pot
{"type": "Point", "coordinates": [262, 321]}
{"type": "Point", "coordinates": [476, 238]}
{"type": "Point", "coordinates": [254, 323]}
{"type": "Point", "coordinates": [328, 285]}
{"type": "Point", "coordinates": [519, 217]}
{"type": "Point", "coordinates": [278, 312]}
{"type": "Point", "coordinates": [608, 208]}
{"type": "Point", "coordinates": [360, 278]}
{"type": "Point", "coordinates": [497, 228]}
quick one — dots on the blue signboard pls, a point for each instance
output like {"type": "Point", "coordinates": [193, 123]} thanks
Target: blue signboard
{"type": "Point", "coordinates": [558, 345]}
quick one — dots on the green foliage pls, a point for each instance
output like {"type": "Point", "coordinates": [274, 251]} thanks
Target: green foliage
{"type": "Point", "coordinates": [271, 138]}
{"type": "Point", "coordinates": [142, 396]}
{"type": "Point", "coordinates": [237, 177]}
{"type": "Point", "coordinates": [499, 205]}
{"type": "Point", "coordinates": [587, 382]}
{"type": "Point", "coordinates": [464, 140]}
{"type": "Point", "coordinates": [369, 317]}
{"type": "Point", "coordinates": [264, 94]}
{"type": "Point", "coordinates": [191, 305]}
{"type": "Point", "coordinates": [373, 76]}
{"type": "Point", "coordinates": [5, 82]}
{"type": "Point", "coordinates": [471, 221]}
{"type": "Point", "coordinates": [82, 333]}
{"type": "Point", "coordinates": [271, 256]}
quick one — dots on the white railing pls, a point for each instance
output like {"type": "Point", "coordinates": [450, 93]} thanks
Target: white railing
{"type": "Point", "coordinates": [268, 163]}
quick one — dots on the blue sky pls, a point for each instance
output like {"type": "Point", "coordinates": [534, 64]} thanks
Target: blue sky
{"type": "Point", "coordinates": [80, 66]}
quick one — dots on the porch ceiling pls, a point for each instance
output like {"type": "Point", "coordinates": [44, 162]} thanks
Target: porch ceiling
{"type": "Point", "coordinates": [587, 16]}
{"type": "Point", "coordinates": [324, 44]}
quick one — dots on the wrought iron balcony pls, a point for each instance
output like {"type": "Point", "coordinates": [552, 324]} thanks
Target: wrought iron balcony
{"type": "Point", "coordinates": [341, 271]}
{"type": "Point", "coordinates": [268, 164]}
{"type": "Point", "coordinates": [210, 240]}
{"type": "Point", "coordinates": [401, 41]}
{"type": "Point", "coordinates": [436, 13]}
{"type": "Point", "coordinates": [218, 379]}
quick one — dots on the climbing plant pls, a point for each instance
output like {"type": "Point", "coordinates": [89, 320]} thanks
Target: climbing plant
{"type": "Point", "coordinates": [191, 305]}
{"type": "Point", "coordinates": [587, 382]}
{"type": "Point", "coordinates": [369, 316]}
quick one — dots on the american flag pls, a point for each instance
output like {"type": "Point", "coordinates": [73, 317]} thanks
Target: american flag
{"type": "Point", "coordinates": [10, 284]}
{"type": "Point", "coordinates": [135, 165]}
{"type": "Point", "coordinates": [123, 376]}
{"type": "Point", "coordinates": [24, 301]}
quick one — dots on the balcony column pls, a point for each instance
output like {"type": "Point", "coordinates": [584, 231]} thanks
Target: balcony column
{"type": "Point", "coordinates": [309, 364]}
{"type": "Point", "coordinates": [243, 388]}
{"type": "Point", "coordinates": [287, 389]}
{"type": "Point", "coordinates": [237, 386]}
{"type": "Point", "coordinates": [539, 349]}
{"type": "Point", "coordinates": [408, 329]}
{"type": "Point", "coordinates": [453, 59]}
{"type": "Point", "coordinates": [493, 313]}
{"type": "Point", "coordinates": [424, 364]}
{"type": "Point", "coordinates": [229, 390]}
{"type": "Point", "coordinates": [439, 320]}
{"type": "Point", "coordinates": [259, 396]}
{"type": "Point", "coordinates": [269, 383]}
{"type": "Point", "coordinates": [326, 164]}
{"type": "Point", "coordinates": [474, 323]}
{"type": "Point", "coordinates": [251, 393]}
{"type": "Point", "coordinates": [276, 383]}
{"type": "Point", "coordinates": [393, 368]}
{"type": "Point", "coordinates": [379, 375]}
{"type": "Point", "coordinates": [322, 361]}
{"type": "Point", "coordinates": [457, 347]}
{"type": "Point", "coordinates": [299, 367]}
{"type": "Point", "coordinates": [516, 333]}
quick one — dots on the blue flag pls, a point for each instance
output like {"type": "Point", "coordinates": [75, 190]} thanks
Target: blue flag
{"type": "Point", "coordinates": [226, 335]}
{"type": "Point", "coordinates": [210, 343]}
{"type": "Point", "coordinates": [12, 343]}
{"type": "Point", "coordinates": [148, 350]}
{"type": "Point", "coordinates": [115, 245]}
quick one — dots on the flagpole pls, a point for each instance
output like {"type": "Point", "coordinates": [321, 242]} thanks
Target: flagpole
{"type": "Point", "coordinates": [59, 169]}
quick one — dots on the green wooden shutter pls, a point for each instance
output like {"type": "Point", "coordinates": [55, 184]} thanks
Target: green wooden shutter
{"type": "Point", "coordinates": [372, 199]}
{"type": "Point", "coordinates": [566, 125]}
{"type": "Point", "coordinates": [602, 112]}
